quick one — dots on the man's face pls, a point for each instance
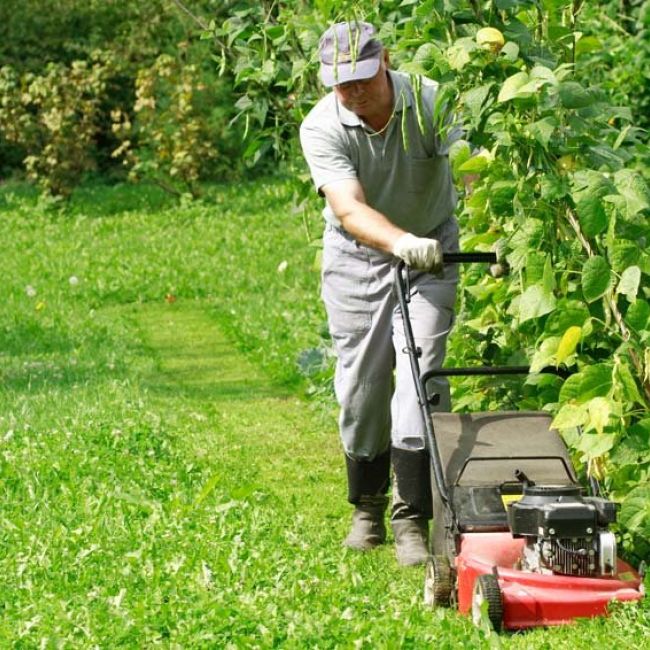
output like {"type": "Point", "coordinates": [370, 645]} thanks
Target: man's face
{"type": "Point", "coordinates": [365, 96]}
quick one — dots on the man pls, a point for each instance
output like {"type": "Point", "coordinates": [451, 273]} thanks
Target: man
{"type": "Point", "coordinates": [389, 194]}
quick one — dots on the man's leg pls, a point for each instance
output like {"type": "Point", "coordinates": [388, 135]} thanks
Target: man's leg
{"type": "Point", "coordinates": [432, 314]}
{"type": "Point", "coordinates": [357, 293]}
{"type": "Point", "coordinates": [368, 482]}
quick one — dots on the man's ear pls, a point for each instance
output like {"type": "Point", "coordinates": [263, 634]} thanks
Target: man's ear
{"type": "Point", "coordinates": [386, 59]}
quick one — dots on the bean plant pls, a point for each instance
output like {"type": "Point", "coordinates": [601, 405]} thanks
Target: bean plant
{"type": "Point", "coordinates": [559, 156]}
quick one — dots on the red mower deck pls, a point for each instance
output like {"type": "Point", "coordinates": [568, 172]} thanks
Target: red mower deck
{"type": "Point", "coordinates": [534, 599]}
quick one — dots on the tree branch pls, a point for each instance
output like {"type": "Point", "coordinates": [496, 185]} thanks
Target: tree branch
{"type": "Point", "coordinates": [199, 21]}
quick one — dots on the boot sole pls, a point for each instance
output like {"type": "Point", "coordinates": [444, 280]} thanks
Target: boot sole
{"type": "Point", "coordinates": [367, 545]}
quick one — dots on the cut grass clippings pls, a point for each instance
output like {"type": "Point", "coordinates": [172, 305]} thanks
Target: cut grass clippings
{"type": "Point", "coordinates": [163, 481]}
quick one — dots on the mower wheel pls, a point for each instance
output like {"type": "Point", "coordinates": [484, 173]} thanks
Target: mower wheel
{"type": "Point", "coordinates": [486, 589]}
{"type": "Point", "coordinates": [437, 582]}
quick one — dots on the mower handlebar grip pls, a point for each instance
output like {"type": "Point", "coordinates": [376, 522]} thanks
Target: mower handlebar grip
{"type": "Point", "coordinates": [464, 258]}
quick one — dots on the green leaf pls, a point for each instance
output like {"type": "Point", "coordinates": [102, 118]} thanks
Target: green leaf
{"type": "Point", "coordinates": [569, 313]}
{"type": "Point", "coordinates": [592, 381]}
{"type": "Point", "coordinates": [543, 130]}
{"type": "Point", "coordinates": [594, 445]}
{"type": "Point", "coordinates": [591, 214]}
{"type": "Point", "coordinates": [596, 277]}
{"type": "Point", "coordinates": [528, 236]}
{"type": "Point", "coordinates": [623, 254]}
{"type": "Point", "coordinates": [543, 75]}
{"type": "Point", "coordinates": [501, 196]}
{"type": "Point", "coordinates": [634, 189]}
{"type": "Point", "coordinates": [589, 180]}
{"type": "Point", "coordinates": [511, 86]}
{"type": "Point", "coordinates": [588, 44]}
{"type": "Point", "coordinates": [570, 416]}
{"type": "Point", "coordinates": [275, 31]}
{"type": "Point", "coordinates": [474, 165]}
{"type": "Point", "coordinates": [599, 411]}
{"type": "Point", "coordinates": [244, 103]}
{"type": "Point", "coordinates": [545, 355]}
{"type": "Point", "coordinates": [574, 95]}
{"type": "Point", "coordinates": [588, 189]}
{"type": "Point", "coordinates": [413, 67]}
{"type": "Point", "coordinates": [510, 51]}
{"type": "Point", "coordinates": [629, 283]}
{"type": "Point", "coordinates": [641, 430]}
{"type": "Point", "coordinates": [568, 344]}
{"type": "Point", "coordinates": [635, 511]}
{"type": "Point", "coordinates": [535, 267]}
{"type": "Point", "coordinates": [535, 302]}
{"type": "Point", "coordinates": [624, 382]}
{"type": "Point", "coordinates": [459, 153]}
{"type": "Point", "coordinates": [516, 30]}
{"type": "Point", "coordinates": [429, 56]}
{"type": "Point", "coordinates": [458, 55]}
{"type": "Point", "coordinates": [634, 448]}
{"type": "Point", "coordinates": [474, 98]}
{"type": "Point", "coordinates": [638, 315]}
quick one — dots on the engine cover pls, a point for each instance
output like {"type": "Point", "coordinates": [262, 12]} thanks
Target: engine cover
{"type": "Point", "coordinates": [565, 532]}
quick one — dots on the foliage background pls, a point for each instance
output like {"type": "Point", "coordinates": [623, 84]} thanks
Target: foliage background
{"type": "Point", "coordinates": [561, 113]}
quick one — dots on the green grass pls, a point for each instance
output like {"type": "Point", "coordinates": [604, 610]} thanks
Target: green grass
{"type": "Point", "coordinates": [164, 480]}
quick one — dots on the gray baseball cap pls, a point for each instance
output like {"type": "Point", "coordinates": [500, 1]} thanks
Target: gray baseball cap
{"type": "Point", "coordinates": [349, 52]}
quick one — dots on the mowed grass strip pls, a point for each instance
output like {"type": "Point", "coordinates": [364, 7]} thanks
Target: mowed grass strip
{"type": "Point", "coordinates": [282, 469]}
{"type": "Point", "coordinates": [160, 487]}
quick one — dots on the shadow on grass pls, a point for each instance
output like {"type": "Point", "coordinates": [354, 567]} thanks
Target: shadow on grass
{"type": "Point", "coordinates": [94, 199]}
{"type": "Point", "coordinates": [31, 337]}
{"type": "Point", "coordinates": [42, 375]}
{"type": "Point", "coordinates": [97, 198]}
{"type": "Point", "coordinates": [211, 390]}
{"type": "Point", "coordinates": [101, 200]}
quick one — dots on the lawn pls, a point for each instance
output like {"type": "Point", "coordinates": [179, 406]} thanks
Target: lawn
{"type": "Point", "coordinates": [165, 479]}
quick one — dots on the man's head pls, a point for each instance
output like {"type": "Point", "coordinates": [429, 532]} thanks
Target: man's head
{"type": "Point", "coordinates": [349, 52]}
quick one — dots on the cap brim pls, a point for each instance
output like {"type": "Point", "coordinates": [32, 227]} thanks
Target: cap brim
{"type": "Point", "coordinates": [348, 71]}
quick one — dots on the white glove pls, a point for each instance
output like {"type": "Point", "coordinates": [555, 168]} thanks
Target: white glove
{"type": "Point", "coordinates": [419, 253]}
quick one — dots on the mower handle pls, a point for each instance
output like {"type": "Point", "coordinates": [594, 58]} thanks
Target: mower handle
{"type": "Point", "coordinates": [464, 258]}
{"type": "Point", "coordinates": [474, 371]}
{"type": "Point", "coordinates": [402, 285]}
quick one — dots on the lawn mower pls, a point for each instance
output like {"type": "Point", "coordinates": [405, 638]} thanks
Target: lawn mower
{"type": "Point", "coordinates": [513, 527]}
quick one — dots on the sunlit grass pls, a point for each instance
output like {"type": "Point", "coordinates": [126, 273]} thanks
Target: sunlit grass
{"type": "Point", "coordinates": [161, 487]}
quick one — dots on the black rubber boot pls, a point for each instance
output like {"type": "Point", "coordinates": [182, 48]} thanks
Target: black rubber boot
{"type": "Point", "coordinates": [367, 486]}
{"type": "Point", "coordinates": [412, 505]}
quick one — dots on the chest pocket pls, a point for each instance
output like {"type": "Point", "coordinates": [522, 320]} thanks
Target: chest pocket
{"type": "Point", "coordinates": [422, 173]}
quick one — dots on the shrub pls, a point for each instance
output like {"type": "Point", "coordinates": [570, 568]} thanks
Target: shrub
{"type": "Point", "coordinates": [176, 132]}
{"type": "Point", "coordinates": [53, 118]}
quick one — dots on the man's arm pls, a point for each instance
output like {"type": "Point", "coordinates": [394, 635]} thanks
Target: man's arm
{"type": "Point", "coordinates": [365, 224]}
{"type": "Point", "coordinates": [372, 228]}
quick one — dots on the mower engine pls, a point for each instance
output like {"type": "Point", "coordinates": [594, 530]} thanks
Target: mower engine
{"type": "Point", "coordinates": [565, 532]}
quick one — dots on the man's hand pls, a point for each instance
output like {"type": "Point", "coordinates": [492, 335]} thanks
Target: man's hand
{"type": "Point", "coordinates": [419, 253]}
